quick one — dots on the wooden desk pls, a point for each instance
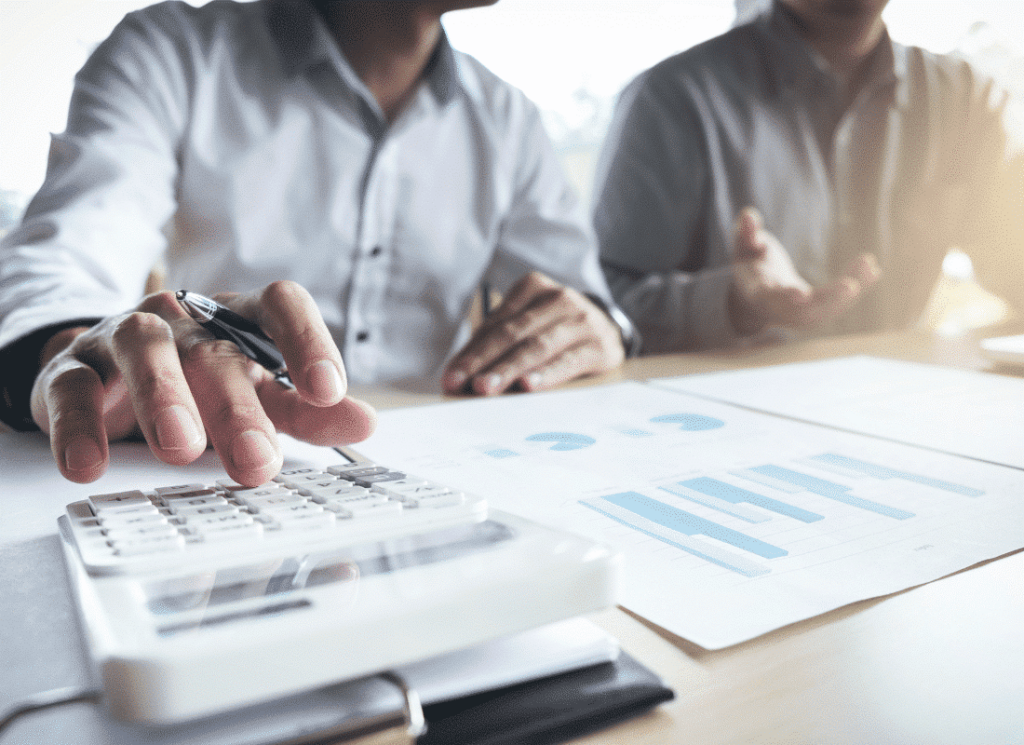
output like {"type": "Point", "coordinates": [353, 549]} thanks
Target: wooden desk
{"type": "Point", "coordinates": [941, 663]}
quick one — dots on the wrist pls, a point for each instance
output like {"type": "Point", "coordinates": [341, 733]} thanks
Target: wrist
{"type": "Point", "coordinates": [631, 340]}
{"type": "Point", "coordinates": [746, 320]}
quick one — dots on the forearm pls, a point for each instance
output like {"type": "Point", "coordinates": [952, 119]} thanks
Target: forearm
{"type": "Point", "coordinates": [676, 311]}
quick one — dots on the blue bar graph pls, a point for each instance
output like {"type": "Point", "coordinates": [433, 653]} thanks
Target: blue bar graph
{"type": "Point", "coordinates": [883, 472]}
{"type": "Point", "coordinates": [830, 490]}
{"type": "Point", "coordinates": [501, 453]}
{"type": "Point", "coordinates": [690, 524]}
{"type": "Point", "coordinates": [563, 440]}
{"type": "Point", "coordinates": [632, 509]}
{"type": "Point", "coordinates": [734, 494]}
{"type": "Point", "coordinates": [690, 422]}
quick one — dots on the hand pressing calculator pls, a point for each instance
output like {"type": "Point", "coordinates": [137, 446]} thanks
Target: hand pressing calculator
{"type": "Point", "coordinates": [201, 598]}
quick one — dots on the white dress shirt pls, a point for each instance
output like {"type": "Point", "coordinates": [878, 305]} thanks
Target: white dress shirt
{"type": "Point", "coordinates": [236, 142]}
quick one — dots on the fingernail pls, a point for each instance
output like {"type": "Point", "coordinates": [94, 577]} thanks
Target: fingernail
{"type": "Point", "coordinates": [176, 429]}
{"type": "Point", "coordinates": [324, 381]}
{"type": "Point", "coordinates": [252, 449]}
{"type": "Point", "coordinates": [81, 454]}
{"type": "Point", "coordinates": [492, 382]}
{"type": "Point", "coordinates": [533, 380]}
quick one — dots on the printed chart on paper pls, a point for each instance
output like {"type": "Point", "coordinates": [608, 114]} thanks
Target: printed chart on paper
{"type": "Point", "coordinates": [732, 522]}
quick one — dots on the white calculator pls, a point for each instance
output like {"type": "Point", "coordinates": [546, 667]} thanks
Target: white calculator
{"type": "Point", "coordinates": [200, 598]}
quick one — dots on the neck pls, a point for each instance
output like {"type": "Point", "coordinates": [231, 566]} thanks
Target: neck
{"type": "Point", "coordinates": [844, 41]}
{"type": "Point", "coordinates": [388, 45]}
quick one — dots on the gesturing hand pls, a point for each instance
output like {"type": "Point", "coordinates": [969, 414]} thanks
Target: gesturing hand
{"type": "Point", "coordinates": [156, 371]}
{"type": "Point", "coordinates": [541, 335]}
{"type": "Point", "coordinates": [768, 290]}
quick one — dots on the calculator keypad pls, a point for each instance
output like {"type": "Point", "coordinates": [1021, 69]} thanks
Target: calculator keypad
{"type": "Point", "coordinates": [341, 504]}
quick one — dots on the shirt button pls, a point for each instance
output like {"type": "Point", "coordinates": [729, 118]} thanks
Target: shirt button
{"type": "Point", "coordinates": [362, 336]}
{"type": "Point", "coordinates": [376, 251]}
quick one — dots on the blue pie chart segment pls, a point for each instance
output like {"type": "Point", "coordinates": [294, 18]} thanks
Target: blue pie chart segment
{"type": "Point", "coordinates": [690, 422]}
{"type": "Point", "coordinates": [563, 440]}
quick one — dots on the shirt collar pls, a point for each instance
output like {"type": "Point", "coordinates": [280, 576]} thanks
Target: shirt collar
{"type": "Point", "coordinates": [304, 41]}
{"type": "Point", "coordinates": [796, 65]}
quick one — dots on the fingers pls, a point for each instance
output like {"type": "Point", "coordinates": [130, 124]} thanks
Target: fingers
{"type": "Point", "coordinates": [543, 334]}
{"type": "Point", "coordinates": [865, 269]}
{"type": "Point", "coordinates": [67, 402]}
{"type": "Point", "coordinates": [289, 315]}
{"type": "Point", "coordinates": [346, 422]}
{"type": "Point", "coordinates": [146, 355]}
{"type": "Point", "coordinates": [241, 432]}
{"type": "Point", "coordinates": [750, 244]}
{"type": "Point", "coordinates": [157, 370]}
{"type": "Point", "coordinates": [828, 302]}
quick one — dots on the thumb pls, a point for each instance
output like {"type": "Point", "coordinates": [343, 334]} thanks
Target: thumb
{"type": "Point", "coordinates": [749, 244]}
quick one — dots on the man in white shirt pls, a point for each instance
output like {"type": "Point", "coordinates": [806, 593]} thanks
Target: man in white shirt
{"type": "Point", "coordinates": [806, 172]}
{"type": "Point", "coordinates": [338, 155]}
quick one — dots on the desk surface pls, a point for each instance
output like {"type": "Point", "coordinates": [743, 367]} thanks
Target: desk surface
{"type": "Point", "coordinates": [940, 663]}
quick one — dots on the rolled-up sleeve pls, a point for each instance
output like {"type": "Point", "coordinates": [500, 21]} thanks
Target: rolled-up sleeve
{"type": "Point", "coordinates": [92, 234]}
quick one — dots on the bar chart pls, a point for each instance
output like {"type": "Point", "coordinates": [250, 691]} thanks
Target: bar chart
{"type": "Point", "coordinates": [686, 531]}
{"type": "Point", "coordinates": [731, 522]}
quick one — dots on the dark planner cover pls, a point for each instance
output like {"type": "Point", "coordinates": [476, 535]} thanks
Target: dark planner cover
{"type": "Point", "coordinates": [549, 710]}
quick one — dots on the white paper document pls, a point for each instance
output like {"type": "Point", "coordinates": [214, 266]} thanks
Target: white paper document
{"type": "Point", "coordinates": [732, 522]}
{"type": "Point", "coordinates": [957, 411]}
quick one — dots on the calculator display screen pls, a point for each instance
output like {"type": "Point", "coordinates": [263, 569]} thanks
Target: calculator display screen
{"type": "Point", "coordinates": [200, 599]}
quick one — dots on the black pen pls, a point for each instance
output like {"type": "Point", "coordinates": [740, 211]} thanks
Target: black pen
{"type": "Point", "coordinates": [226, 324]}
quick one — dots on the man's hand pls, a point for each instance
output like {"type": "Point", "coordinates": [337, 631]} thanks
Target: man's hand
{"type": "Point", "coordinates": [156, 371]}
{"type": "Point", "coordinates": [543, 334]}
{"type": "Point", "coordinates": [768, 290]}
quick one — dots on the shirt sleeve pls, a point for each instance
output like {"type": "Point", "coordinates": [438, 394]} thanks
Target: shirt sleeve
{"type": "Point", "coordinates": [94, 231]}
{"type": "Point", "coordinates": [545, 228]}
{"type": "Point", "coordinates": [650, 198]}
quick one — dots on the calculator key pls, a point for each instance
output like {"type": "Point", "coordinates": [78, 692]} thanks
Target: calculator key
{"type": "Point", "coordinates": [360, 511]}
{"type": "Point", "coordinates": [377, 478]}
{"type": "Point", "coordinates": [118, 501]}
{"type": "Point", "coordinates": [183, 490]}
{"type": "Point", "coordinates": [263, 492]}
{"type": "Point", "coordinates": [343, 468]}
{"type": "Point", "coordinates": [354, 473]}
{"type": "Point", "coordinates": [188, 505]}
{"type": "Point", "coordinates": [287, 511]}
{"type": "Point", "coordinates": [294, 482]}
{"type": "Point", "coordinates": [304, 470]}
{"type": "Point", "coordinates": [357, 501]}
{"type": "Point", "coordinates": [222, 533]}
{"type": "Point", "coordinates": [209, 510]}
{"type": "Point", "coordinates": [238, 490]}
{"type": "Point", "coordinates": [119, 519]}
{"type": "Point", "coordinates": [137, 546]}
{"type": "Point", "coordinates": [149, 530]}
{"type": "Point", "coordinates": [343, 490]}
{"type": "Point", "coordinates": [304, 520]}
{"type": "Point", "coordinates": [446, 498]}
{"type": "Point", "coordinates": [409, 482]}
{"type": "Point", "coordinates": [328, 482]}
{"type": "Point", "coordinates": [201, 523]}
{"type": "Point", "coordinates": [273, 501]}
{"type": "Point", "coordinates": [413, 491]}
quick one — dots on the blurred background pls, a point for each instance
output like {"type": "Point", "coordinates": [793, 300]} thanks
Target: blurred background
{"type": "Point", "coordinates": [570, 56]}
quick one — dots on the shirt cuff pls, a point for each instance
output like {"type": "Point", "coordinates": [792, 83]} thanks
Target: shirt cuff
{"type": "Point", "coordinates": [19, 365]}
